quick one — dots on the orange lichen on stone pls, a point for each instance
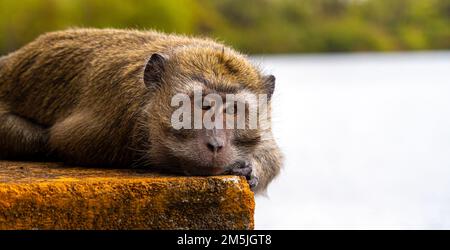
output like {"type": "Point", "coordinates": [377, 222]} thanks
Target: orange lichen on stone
{"type": "Point", "coordinates": [53, 196]}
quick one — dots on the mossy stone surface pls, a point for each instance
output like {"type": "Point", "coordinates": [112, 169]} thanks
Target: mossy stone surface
{"type": "Point", "coordinates": [53, 196]}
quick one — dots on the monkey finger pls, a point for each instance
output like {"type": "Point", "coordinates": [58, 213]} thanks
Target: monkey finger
{"type": "Point", "coordinates": [253, 182]}
{"type": "Point", "coordinates": [242, 171]}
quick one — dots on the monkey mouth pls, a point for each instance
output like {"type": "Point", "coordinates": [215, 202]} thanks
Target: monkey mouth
{"type": "Point", "coordinates": [203, 169]}
{"type": "Point", "coordinates": [200, 166]}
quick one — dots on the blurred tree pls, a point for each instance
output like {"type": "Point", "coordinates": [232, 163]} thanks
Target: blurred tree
{"type": "Point", "coordinates": [254, 26]}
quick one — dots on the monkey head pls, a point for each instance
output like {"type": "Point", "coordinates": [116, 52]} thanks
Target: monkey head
{"type": "Point", "coordinates": [194, 121]}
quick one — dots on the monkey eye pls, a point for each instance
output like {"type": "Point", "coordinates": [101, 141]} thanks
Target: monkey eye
{"type": "Point", "coordinates": [231, 109]}
{"type": "Point", "coordinates": [203, 106]}
{"type": "Point", "coordinates": [209, 104]}
{"type": "Point", "coordinates": [206, 107]}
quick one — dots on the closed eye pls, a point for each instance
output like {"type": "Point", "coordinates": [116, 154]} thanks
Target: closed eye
{"type": "Point", "coordinates": [231, 109]}
{"type": "Point", "coordinates": [206, 107]}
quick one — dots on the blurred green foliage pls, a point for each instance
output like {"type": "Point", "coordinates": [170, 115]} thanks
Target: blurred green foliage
{"type": "Point", "coordinates": [254, 26]}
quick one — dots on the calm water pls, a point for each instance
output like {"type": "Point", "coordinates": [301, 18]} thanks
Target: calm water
{"type": "Point", "coordinates": [366, 139]}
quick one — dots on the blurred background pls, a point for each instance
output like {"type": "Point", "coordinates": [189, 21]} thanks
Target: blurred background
{"type": "Point", "coordinates": [361, 107]}
{"type": "Point", "coordinates": [253, 26]}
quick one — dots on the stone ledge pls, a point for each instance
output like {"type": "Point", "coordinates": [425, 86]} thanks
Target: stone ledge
{"type": "Point", "coordinates": [52, 196]}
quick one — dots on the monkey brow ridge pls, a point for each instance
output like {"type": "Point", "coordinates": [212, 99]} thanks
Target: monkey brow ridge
{"type": "Point", "coordinates": [224, 88]}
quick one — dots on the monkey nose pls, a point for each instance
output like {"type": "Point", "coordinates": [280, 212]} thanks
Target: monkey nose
{"type": "Point", "coordinates": [214, 144]}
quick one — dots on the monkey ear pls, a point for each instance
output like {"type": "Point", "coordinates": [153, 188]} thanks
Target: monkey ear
{"type": "Point", "coordinates": [269, 83]}
{"type": "Point", "coordinates": [154, 70]}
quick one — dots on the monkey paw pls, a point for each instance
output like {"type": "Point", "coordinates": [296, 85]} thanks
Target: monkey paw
{"type": "Point", "coordinates": [243, 168]}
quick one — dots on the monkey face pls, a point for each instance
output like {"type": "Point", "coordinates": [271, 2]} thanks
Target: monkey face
{"type": "Point", "coordinates": [202, 122]}
{"type": "Point", "coordinates": [204, 138]}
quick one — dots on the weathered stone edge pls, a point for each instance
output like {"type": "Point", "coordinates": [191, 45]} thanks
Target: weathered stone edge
{"type": "Point", "coordinates": [224, 202]}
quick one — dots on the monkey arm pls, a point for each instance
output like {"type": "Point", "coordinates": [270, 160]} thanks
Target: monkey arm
{"type": "Point", "coordinates": [266, 163]}
{"type": "Point", "coordinates": [21, 138]}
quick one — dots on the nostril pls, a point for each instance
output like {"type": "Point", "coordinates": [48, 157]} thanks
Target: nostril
{"type": "Point", "coordinates": [214, 146]}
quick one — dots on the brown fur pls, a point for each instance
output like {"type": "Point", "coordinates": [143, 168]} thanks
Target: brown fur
{"type": "Point", "coordinates": [80, 95]}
